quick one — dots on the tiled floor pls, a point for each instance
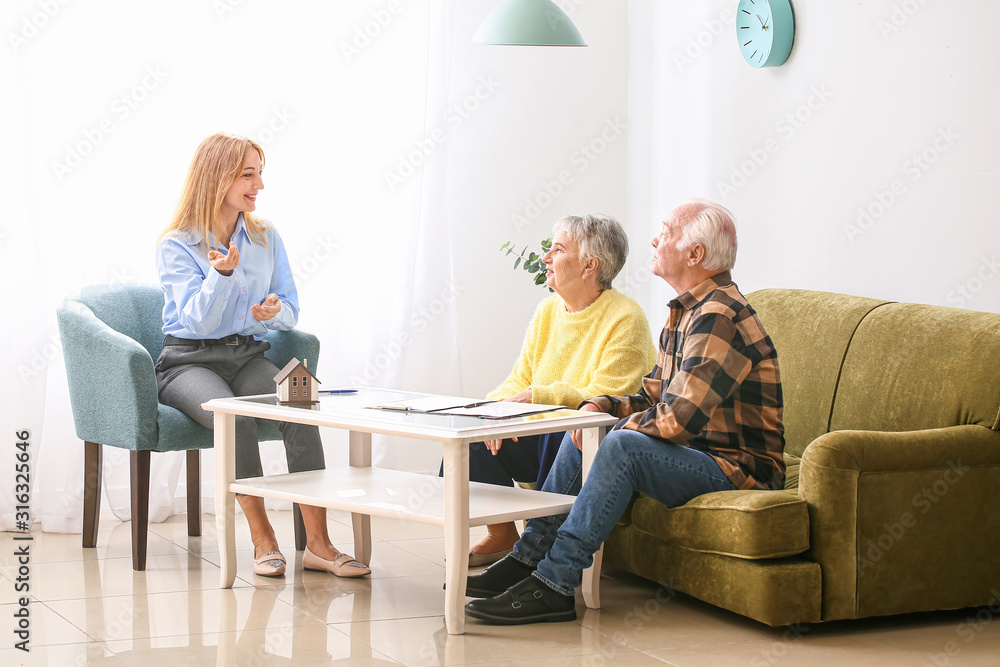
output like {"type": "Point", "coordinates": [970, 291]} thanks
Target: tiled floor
{"type": "Point", "coordinates": [89, 607]}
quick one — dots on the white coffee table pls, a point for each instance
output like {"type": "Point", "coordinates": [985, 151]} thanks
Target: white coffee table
{"type": "Point", "coordinates": [452, 501]}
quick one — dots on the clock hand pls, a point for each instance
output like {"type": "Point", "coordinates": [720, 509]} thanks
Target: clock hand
{"type": "Point", "coordinates": [761, 20]}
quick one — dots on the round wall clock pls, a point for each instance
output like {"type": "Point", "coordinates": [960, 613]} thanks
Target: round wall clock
{"type": "Point", "coordinates": [765, 29]}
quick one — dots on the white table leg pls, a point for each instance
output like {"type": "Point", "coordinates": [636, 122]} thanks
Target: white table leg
{"type": "Point", "coordinates": [227, 654]}
{"type": "Point", "coordinates": [225, 500]}
{"type": "Point", "coordinates": [590, 584]}
{"type": "Point", "coordinates": [456, 534]}
{"type": "Point", "coordinates": [361, 456]}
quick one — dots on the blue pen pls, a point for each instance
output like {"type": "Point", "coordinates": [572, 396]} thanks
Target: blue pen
{"type": "Point", "coordinates": [338, 391]}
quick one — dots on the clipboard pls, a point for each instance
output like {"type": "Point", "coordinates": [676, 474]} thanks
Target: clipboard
{"type": "Point", "coordinates": [466, 407]}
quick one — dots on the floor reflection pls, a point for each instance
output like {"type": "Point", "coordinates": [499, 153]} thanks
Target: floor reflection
{"type": "Point", "coordinates": [241, 626]}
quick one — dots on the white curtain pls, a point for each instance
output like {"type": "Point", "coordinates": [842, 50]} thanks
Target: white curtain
{"type": "Point", "coordinates": [399, 156]}
{"type": "Point", "coordinates": [110, 102]}
{"type": "Point", "coordinates": [423, 342]}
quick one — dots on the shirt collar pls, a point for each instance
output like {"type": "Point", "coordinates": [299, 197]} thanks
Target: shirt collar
{"type": "Point", "coordinates": [193, 236]}
{"type": "Point", "coordinates": [697, 294]}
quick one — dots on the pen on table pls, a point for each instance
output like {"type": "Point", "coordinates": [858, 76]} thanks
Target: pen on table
{"type": "Point", "coordinates": [338, 391]}
{"type": "Point", "coordinates": [462, 407]}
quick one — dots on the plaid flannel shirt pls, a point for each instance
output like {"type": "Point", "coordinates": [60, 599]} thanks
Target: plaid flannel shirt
{"type": "Point", "coordinates": [715, 386]}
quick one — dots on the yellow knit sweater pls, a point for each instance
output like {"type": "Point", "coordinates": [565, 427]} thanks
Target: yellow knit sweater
{"type": "Point", "coordinates": [567, 357]}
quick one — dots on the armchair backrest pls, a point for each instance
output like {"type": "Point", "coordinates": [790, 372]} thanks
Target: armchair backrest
{"type": "Point", "coordinates": [107, 332]}
{"type": "Point", "coordinates": [130, 309]}
{"type": "Point", "coordinates": [111, 338]}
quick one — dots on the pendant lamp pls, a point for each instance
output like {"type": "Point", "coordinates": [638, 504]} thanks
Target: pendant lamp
{"type": "Point", "coordinates": [528, 23]}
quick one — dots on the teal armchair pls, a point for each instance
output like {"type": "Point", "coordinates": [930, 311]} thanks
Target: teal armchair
{"type": "Point", "coordinates": [111, 337]}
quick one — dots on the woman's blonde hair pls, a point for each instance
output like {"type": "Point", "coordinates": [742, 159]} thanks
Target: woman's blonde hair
{"type": "Point", "coordinates": [217, 163]}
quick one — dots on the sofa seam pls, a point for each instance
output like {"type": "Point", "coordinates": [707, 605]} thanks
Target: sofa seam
{"type": "Point", "coordinates": [727, 554]}
{"type": "Point", "coordinates": [760, 510]}
{"type": "Point", "coordinates": [843, 360]}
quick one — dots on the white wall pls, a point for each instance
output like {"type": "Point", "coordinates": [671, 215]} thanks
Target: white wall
{"type": "Point", "coordinates": [560, 112]}
{"type": "Point", "coordinates": [875, 96]}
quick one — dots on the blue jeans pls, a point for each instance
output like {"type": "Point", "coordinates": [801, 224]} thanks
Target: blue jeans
{"type": "Point", "coordinates": [562, 546]}
{"type": "Point", "coordinates": [527, 460]}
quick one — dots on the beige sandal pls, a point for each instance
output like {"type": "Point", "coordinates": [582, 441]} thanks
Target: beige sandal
{"type": "Point", "coordinates": [271, 564]}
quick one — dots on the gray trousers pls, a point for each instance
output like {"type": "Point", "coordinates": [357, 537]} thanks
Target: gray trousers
{"type": "Point", "coordinates": [191, 374]}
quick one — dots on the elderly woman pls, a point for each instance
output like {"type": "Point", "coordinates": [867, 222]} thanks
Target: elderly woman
{"type": "Point", "coordinates": [586, 340]}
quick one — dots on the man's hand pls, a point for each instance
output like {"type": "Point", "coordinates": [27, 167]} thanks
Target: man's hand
{"type": "Point", "coordinates": [225, 264]}
{"type": "Point", "coordinates": [577, 435]}
{"type": "Point", "coordinates": [266, 310]}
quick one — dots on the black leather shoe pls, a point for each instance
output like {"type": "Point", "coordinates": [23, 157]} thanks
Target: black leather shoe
{"type": "Point", "coordinates": [529, 601]}
{"type": "Point", "coordinates": [497, 578]}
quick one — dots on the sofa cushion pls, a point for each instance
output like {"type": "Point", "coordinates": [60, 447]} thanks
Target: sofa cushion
{"type": "Point", "coordinates": [811, 332]}
{"type": "Point", "coordinates": [792, 465]}
{"type": "Point", "coordinates": [912, 367]}
{"type": "Point", "coordinates": [744, 524]}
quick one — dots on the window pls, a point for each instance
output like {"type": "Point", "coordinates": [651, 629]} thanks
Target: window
{"type": "Point", "coordinates": [295, 381]}
{"type": "Point", "coordinates": [295, 392]}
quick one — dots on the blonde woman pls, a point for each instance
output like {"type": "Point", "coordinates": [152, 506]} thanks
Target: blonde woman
{"type": "Point", "coordinates": [226, 282]}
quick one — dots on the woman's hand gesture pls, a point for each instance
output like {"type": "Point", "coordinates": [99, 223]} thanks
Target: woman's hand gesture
{"type": "Point", "coordinates": [266, 310]}
{"type": "Point", "coordinates": [225, 264]}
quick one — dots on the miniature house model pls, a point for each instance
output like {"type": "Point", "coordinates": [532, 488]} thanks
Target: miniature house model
{"type": "Point", "coordinates": [296, 384]}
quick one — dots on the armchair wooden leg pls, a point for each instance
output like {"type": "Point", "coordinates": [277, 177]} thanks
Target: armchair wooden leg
{"type": "Point", "coordinates": [194, 492]}
{"type": "Point", "coordinates": [140, 507]}
{"type": "Point", "coordinates": [92, 462]}
{"type": "Point", "coordinates": [300, 527]}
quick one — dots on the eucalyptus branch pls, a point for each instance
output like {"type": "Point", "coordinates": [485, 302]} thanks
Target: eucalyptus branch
{"type": "Point", "coordinates": [532, 262]}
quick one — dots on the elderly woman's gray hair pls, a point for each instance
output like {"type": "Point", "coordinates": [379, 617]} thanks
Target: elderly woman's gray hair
{"type": "Point", "coordinates": [599, 236]}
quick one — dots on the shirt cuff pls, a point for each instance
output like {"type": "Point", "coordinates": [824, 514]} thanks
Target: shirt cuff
{"type": "Point", "coordinates": [601, 402]}
{"type": "Point", "coordinates": [215, 280]}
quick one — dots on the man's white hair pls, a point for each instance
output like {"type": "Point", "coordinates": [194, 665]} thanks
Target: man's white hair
{"type": "Point", "coordinates": [713, 226]}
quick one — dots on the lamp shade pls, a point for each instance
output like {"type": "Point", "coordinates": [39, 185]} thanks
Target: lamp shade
{"type": "Point", "coordinates": [528, 23]}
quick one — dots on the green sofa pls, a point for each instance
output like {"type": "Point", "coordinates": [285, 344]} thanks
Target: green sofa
{"type": "Point", "coordinates": [892, 498]}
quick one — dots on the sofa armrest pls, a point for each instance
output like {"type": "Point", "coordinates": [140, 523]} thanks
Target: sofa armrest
{"type": "Point", "coordinates": [112, 386]}
{"type": "Point", "coordinates": [903, 521]}
{"type": "Point", "coordinates": [295, 343]}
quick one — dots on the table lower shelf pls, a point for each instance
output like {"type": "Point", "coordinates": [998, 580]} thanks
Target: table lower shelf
{"type": "Point", "coordinates": [401, 495]}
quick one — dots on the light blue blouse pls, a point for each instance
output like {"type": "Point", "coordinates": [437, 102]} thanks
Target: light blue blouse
{"type": "Point", "coordinates": [200, 302]}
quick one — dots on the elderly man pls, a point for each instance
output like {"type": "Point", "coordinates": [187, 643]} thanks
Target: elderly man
{"type": "Point", "coordinates": [708, 418]}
